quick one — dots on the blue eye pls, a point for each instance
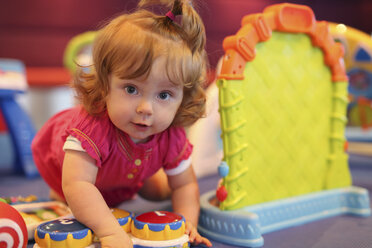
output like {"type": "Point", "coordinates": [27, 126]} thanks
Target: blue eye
{"type": "Point", "coordinates": [131, 90]}
{"type": "Point", "coordinates": [164, 95]}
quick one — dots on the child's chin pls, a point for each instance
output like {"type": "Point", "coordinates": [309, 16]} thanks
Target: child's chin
{"type": "Point", "coordinates": [137, 139]}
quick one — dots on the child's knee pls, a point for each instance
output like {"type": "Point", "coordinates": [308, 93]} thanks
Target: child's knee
{"type": "Point", "coordinates": [156, 187]}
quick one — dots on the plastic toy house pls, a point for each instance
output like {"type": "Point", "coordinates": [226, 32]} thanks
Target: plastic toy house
{"type": "Point", "coordinates": [283, 99]}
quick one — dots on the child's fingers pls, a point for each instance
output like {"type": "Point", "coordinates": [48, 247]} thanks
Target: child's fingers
{"type": "Point", "coordinates": [188, 228]}
{"type": "Point", "coordinates": [198, 239]}
{"type": "Point", "coordinates": [206, 242]}
{"type": "Point", "coordinates": [201, 240]}
{"type": "Point", "coordinates": [192, 235]}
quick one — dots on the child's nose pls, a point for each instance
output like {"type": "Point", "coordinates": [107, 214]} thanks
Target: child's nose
{"type": "Point", "coordinates": [144, 107]}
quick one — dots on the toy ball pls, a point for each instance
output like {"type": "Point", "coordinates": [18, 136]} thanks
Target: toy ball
{"type": "Point", "coordinates": [223, 169]}
{"type": "Point", "coordinates": [13, 231]}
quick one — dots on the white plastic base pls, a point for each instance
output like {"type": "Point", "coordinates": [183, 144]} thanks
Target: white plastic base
{"type": "Point", "coordinates": [244, 227]}
{"type": "Point", "coordinates": [140, 243]}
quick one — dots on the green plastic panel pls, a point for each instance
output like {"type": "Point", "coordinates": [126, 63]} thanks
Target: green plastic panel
{"type": "Point", "coordinates": [283, 125]}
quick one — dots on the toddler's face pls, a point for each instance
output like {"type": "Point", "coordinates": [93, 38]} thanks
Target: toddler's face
{"type": "Point", "coordinates": [142, 108]}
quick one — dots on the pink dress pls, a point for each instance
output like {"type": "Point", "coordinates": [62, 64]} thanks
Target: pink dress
{"type": "Point", "coordinates": [123, 165]}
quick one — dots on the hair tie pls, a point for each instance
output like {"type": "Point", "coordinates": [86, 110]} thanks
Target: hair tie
{"type": "Point", "coordinates": [170, 15]}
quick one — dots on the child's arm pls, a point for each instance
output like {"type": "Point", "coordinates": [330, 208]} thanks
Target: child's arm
{"type": "Point", "coordinates": [86, 202]}
{"type": "Point", "coordinates": [185, 201]}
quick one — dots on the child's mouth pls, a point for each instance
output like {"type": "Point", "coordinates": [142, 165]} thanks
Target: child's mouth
{"type": "Point", "coordinates": [141, 127]}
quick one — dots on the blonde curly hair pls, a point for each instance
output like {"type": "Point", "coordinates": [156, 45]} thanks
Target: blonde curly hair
{"type": "Point", "coordinates": [128, 46]}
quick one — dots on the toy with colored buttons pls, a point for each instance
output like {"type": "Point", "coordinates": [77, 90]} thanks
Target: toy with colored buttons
{"type": "Point", "coordinates": [223, 171]}
{"type": "Point", "coordinates": [159, 229]}
{"type": "Point", "coordinates": [69, 233]}
{"type": "Point", "coordinates": [13, 231]}
{"type": "Point", "coordinates": [60, 233]}
{"type": "Point", "coordinates": [153, 229]}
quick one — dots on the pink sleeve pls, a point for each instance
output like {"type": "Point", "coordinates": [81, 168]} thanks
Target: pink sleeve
{"type": "Point", "coordinates": [179, 148]}
{"type": "Point", "coordinates": [93, 133]}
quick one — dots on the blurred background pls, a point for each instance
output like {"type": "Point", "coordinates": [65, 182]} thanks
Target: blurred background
{"type": "Point", "coordinates": [37, 33]}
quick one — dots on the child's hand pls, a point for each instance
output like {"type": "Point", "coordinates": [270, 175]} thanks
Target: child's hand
{"type": "Point", "coordinates": [194, 236]}
{"type": "Point", "coordinates": [116, 240]}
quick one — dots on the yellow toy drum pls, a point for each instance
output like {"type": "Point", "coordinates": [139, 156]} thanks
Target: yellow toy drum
{"type": "Point", "coordinates": [159, 229]}
{"type": "Point", "coordinates": [124, 218]}
{"type": "Point", "coordinates": [63, 233]}
{"type": "Point", "coordinates": [69, 233]}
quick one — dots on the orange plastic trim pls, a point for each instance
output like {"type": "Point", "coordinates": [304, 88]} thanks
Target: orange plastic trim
{"type": "Point", "coordinates": [284, 17]}
{"type": "Point", "coordinates": [232, 66]}
{"type": "Point", "coordinates": [346, 146]}
{"type": "Point", "coordinates": [47, 76]}
{"type": "Point", "coordinates": [292, 17]}
{"type": "Point", "coordinates": [338, 71]}
{"type": "Point", "coordinates": [263, 28]}
{"type": "Point", "coordinates": [263, 25]}
{"type": "Point", "coordinates": [363, 104]}
{"type": "Point", "coordinates": [333, 51]}
{"type": "Point", "coordinates": [243, 43]}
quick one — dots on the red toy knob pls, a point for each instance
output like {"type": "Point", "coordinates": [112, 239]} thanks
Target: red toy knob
{"type": "Point", "coordinates": [221, 193]}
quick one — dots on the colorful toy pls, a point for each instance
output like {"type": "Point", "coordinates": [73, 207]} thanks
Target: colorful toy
{"type": "Point", "coordinates": [12, 82]}
{"type": "Point", "coordinates": [63, 233]}
{"type": "Point", "coordinates": [283, 99]}
{"type": "Point", "coordinates": [358, 63]}
{"type": "Point", "coordinates": [153, 229]}
{"type": "Point", "coordinates": [13, 232]}
{"type": "Point", "coordinates": [20, 199]}
{"type": "Point", "coordinates": [35, 213]}
{"type": "Point", "coordinates": [159, 229]}
{"type": "Point", "coordinates": [69, 233]}
{"type": "Point", "coordinates": [124, 218]}
{"type": "Point", "coordinates": [79, 51]}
